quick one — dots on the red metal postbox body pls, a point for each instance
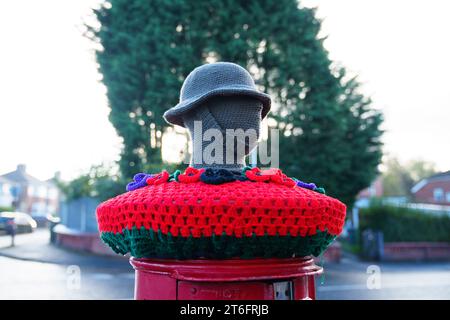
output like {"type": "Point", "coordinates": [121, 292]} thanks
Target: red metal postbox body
{"type": "Point", "coordinates": [233, 279]}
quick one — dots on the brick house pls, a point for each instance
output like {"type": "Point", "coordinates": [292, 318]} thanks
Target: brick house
{"type": "Point", "coordinates": [433, 190]}
{"type": "Point", "coordinates": [375, 190]}
{"type": "Point", "coordinates": [29, 194]}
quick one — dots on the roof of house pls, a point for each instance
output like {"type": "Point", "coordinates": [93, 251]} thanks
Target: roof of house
{"type": "Point", "coordinates": [20, 176]}
{"type": "Point", "coordinates": [52, 182]}
{"type": "Point", "coordinates": [442, 176]}
{"type": "Point", "coordinates": [4, 180]}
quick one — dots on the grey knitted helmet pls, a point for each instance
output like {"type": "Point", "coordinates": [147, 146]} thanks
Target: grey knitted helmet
{"type": "Point", "coordinates": [215, 79]}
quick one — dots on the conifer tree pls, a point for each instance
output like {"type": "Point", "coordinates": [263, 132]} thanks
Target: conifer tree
{"type": "Point", "coordinates": [329, 131]}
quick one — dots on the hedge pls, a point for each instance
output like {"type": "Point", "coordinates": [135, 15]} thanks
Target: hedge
{"type": "Point", "coordinates": [405, 225]}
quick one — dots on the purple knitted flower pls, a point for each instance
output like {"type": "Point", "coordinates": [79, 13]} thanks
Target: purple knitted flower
{"type": "Point", "coordinates": [139, 181]}
{"type": "Point", "coordinates": [305, 185]}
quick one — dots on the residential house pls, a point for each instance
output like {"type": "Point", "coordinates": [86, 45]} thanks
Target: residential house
{"type": "Point", "coordinates": [433, 190]}
{"type": "Point", "coordinates": [6, 196]}
{"type": "Point", "coordinates": [375, 190]}
{"type": "Point", "coordinates": [30, 194]}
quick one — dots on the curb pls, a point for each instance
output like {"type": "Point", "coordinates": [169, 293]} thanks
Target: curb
{"type": "Point", "coordinates": [57, 262]}
{"type": "Point", "coordinates": [11, 256]}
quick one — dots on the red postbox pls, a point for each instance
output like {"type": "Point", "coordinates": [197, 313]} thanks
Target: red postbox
{"type": "Point", "coordinates": [232, 279]}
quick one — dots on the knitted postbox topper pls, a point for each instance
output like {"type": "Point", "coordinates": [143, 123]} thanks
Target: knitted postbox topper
{"type": "Point", "coordinates": [188, 218]}
{"type": "Point", "coordinates": [220, 210]}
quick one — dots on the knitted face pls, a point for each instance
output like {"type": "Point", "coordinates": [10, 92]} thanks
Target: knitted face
{"type": "Point", "coordinates": [238, 118]}
{"type": "Point", "coordinates": [236, 112]}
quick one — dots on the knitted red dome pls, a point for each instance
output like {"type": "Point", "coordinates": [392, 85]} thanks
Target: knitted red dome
{"type": "Point", "coordinates": [240, 218]}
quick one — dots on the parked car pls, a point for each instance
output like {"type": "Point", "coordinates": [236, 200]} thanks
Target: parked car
{"type": "Point", "coordinates": [5, 223]}
{"type": "Point", "coordinates": [23, 221]}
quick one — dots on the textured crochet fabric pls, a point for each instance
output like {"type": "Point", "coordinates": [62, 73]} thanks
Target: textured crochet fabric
{"type": "Point", "coordinates": [244, 219]}
{"type": "Point", "coordinates": [220, 79]}
{"type": "Point", "coordinates": [222, 113]}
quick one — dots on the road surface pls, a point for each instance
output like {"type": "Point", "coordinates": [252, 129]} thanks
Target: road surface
{"type": "Point", "coordinates": [36, 270]}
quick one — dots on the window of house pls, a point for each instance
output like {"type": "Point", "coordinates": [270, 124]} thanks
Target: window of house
{"type": "Point", "coordinates": [38, 208]}
{"type": "Point", "coordinates": [51, 208]}
{"type": "Point", "coordinates": [447, 196]}
{"type": "Point", "coordinates": [53, 193]}
{"type": "Point", "coordinates": [42, 192]}
{"type": "Point", "coordinates": [438, 194]}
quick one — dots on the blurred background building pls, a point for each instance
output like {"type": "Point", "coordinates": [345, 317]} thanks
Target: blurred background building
{"type": "Point", "coordinates": [6, 196]}
{"type": "Point", "coordinates": [434, 189]}
{"type": "Point", "coordinates": [25, 193]}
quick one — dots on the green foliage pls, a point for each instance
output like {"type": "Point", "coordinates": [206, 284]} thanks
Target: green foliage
{"type": "Point", "coordinates": [398, 179]}
{"type": "Point", "coordinates": [98, 182]}
{"type": "Point", "coordinates": [169, 167]}
{"type": "Point", "coordinates": [7, 209]}
{"type": "Point", "coordinates": [144, 60]}
{"type": "Point", "coordinates": [329, 133]}
{"type": "Point", "coordinates": [403, 224]}
{"type": "Point", "coordinates": [336, 138]}
{"type": "Point", "coordinates": [420, 169]}
{"type": "Point", "coordinates": [354, 248]}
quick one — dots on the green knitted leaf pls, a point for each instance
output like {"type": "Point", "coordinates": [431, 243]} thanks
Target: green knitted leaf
{"type": "Point", "coordinates": [320, 190]}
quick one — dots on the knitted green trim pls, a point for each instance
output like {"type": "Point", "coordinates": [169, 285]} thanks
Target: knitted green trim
{"type": "Point", "coordinates": [143, 243]}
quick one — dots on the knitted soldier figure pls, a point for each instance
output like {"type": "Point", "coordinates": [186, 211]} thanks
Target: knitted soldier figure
{"type": "Point", "coordinates": [221, 96]}
{"type": "Point", "coordinates": [219, 208]}
{"type": "Point", "coordinates": [235, 119]}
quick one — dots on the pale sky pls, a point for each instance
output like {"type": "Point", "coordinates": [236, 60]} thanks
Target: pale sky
{"type": "Point", "coordinates": [53, 109]}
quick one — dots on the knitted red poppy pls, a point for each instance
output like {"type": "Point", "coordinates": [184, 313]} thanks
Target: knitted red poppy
{"type": "Point", "coordinates": [188, 218]}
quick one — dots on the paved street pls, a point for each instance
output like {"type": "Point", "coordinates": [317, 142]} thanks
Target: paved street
{"type": "Point", "coordinates": [36, 270]}
{"type": "Point", "coordinates": [350, 280]}
{"type": "Point", "coordinates": [69, 275]}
